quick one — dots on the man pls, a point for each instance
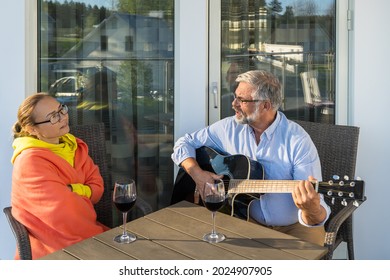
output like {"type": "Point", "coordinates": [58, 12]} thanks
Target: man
{"type": "Point", "coordinates": [286, 152]}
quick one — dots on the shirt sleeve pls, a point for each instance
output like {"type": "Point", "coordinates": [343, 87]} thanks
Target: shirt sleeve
{"type": "Point", "coordinates": [327, 209]}
{"type": "Point", "coordinates": [212, 136]}
{"type": "Point", "coordinates": [307, 163]}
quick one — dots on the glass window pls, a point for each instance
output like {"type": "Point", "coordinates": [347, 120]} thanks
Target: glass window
{"type": "Point", "coordinates": [293, 39]}
{"type": "Point", "coordinates": [112, 62]}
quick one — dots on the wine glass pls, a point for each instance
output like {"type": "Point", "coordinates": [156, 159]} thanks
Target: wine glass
{"type": "Point", "coordinates": [214, 199]}
{"type": "Point", "coordinates": [124, 198]}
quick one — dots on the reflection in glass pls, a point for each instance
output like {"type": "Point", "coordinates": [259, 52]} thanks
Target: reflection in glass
{"type": "Point", "coordinates": [293, 39]}
{"type": "Point", "coordinates": [114, 64]}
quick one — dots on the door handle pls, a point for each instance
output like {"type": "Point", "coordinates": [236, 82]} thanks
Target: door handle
{"type": "Point", "coordinates": [214, 90]}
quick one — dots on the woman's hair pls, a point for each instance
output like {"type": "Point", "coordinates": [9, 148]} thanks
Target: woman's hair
{"type": "Point", "coordinates": [266, 85]}
{"type": "Point", "coordinates": [25, 114]}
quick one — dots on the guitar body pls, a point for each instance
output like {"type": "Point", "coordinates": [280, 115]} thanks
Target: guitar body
{"type": "Point", "coordinates": [231, 166]}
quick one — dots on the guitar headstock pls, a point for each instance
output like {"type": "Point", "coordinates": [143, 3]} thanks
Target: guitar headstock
{"type": "Point", "coordinates": [344, 189]}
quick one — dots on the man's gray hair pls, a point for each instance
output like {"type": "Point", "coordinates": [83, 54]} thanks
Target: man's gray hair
{"type": "Point", "coordinates": [266, 85]}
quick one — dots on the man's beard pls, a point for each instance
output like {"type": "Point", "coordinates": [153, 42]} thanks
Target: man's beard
{"type": "Point", "coordinates": [247, 119]}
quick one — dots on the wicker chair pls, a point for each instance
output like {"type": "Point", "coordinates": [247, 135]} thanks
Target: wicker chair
{"type": "Point", "coordinates": [337, 147]}
{"type": "Point", "coordinates": [94, 136]}
{"type": "Point", "coordinates": [21, 235]}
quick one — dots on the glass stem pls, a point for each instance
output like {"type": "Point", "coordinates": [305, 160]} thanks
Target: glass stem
{"type": "Point", "coordinates": [124, 223]}
{"type": "Point", "coordinates": [213, 217]}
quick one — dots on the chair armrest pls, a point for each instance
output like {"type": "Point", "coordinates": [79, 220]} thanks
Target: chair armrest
{"type": "Point", "coordinates": [335, 223]}
{"type": "Point", "coordinates": [21, 235]}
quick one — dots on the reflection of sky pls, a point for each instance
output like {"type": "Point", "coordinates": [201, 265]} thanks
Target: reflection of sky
{"type": "Point", "coordinates": [322, 5]}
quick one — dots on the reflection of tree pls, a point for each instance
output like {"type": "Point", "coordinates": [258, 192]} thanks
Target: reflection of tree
{"type": "Point", "coordinates": [305, 7]}
{"type": "Point", "coordinates": [289, 13]}
{"type": "Point", "coordinates": [142, 7]}
{"type": "Point", "coordinates": [73, 20]}
{"type": "Point", "coordinates": [134, 79]}
{"type": "Point", "coordinates": [134, 86]}
{"type": "Point", "coordinates": [274, 7]}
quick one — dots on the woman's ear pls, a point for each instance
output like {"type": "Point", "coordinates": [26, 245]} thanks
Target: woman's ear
{"type": "Point", "coordinates": [31, 130]}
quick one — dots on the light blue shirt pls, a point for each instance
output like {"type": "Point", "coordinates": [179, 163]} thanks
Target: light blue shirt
{"type": "Point", "coordinates": [285, 151]}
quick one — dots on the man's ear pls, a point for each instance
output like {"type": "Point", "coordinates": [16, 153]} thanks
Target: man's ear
{"type": "Point", "coordinates": [267, 105]}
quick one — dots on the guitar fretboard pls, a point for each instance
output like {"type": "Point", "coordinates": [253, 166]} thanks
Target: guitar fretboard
{"type": "Point", "coordinates": [261, 186]}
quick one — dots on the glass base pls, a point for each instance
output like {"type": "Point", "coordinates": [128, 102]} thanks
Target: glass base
{"type": "Point", "coordinates": [125, 238]}
{"type": "Point", "coordinates": [214, 237]}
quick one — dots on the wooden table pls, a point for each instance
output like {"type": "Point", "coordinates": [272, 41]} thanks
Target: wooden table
{"type": "Point", "coordinates": [176, 233]}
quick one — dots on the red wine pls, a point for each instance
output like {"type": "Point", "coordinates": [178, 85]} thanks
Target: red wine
{"type": "Point", "coordinates": [124, 204]}
{"type": "Point", "coordinates": [214, 202]}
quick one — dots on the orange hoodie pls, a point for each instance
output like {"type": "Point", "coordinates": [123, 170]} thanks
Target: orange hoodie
{"type": "Point", "coordinates": [55, 216]}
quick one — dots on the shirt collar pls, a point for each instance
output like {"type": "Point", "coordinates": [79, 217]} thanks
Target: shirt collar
{"type": "Point", "coordinates": [271, 129]}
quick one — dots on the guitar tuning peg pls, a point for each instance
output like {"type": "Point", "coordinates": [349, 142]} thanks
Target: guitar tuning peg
{"type": "Point", "coordinates": [344, 202]}
{"type": "Point", "coordinates": [336, 177]}
{"type": "Point", "coordinates": [358, 178]}
{"type": "Point", "coordinates": [332, 201]}
{"type": "Point", "coordinates": [346, 177]}
{"type": "Point", "coordinates": [356, 203]}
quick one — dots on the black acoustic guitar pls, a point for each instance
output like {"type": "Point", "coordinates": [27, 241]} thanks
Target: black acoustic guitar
{"type": "Point", "coordinates": [243, 175]}
{"type": "Point", "coordinates": [231, 166]}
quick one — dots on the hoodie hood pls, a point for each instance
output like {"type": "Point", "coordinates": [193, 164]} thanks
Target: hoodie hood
{"type": "Point", "coordinates": [65, 149]}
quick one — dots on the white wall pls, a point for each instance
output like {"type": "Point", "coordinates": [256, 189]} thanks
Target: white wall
{"type": "Point", "coordinates": [370, 111]}
{"type": "Point", "coordinates": [12, 92]}
{"type": "Point", "coordinates": [369, 97]}
{"type": "Point", "coordinates": [191, 76]}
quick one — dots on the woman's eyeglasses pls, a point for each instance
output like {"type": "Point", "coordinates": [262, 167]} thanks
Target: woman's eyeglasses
{"type": "Point", "coordinates": [56, 117]}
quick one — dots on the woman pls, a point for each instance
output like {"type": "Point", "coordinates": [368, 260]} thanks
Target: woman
{"type": "Point", "coordinates": [54, 181]}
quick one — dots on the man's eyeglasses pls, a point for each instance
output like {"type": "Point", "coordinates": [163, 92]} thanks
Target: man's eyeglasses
{"type": "Point", "coordinates": [240, 100]}
{"type": "Point", "coordinates": [56, 117]}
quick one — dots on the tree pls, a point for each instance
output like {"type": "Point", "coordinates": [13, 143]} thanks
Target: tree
{"type": "Point", "coordinates": [275, 7]}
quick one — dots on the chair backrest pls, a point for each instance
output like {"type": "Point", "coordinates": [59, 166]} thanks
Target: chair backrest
{"type": "Point", "coordinates": [21, 235]}
{"type": "Point", "coordinates": [94, 136]}
{"type": "Point", "coordinates": [337, 148]}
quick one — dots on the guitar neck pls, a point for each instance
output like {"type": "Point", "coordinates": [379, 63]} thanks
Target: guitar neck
{"type": "Point", "coordinates": [261, 186]}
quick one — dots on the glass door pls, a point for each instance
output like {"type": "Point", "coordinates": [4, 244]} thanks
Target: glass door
{"type": "Point", "coordinates": [295, 40]}
{"type": "Point", "coordinates": [112, 62]}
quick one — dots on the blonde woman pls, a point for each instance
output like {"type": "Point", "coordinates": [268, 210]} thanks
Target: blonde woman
{"type": "Point", "coordinates": [54, 182]}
